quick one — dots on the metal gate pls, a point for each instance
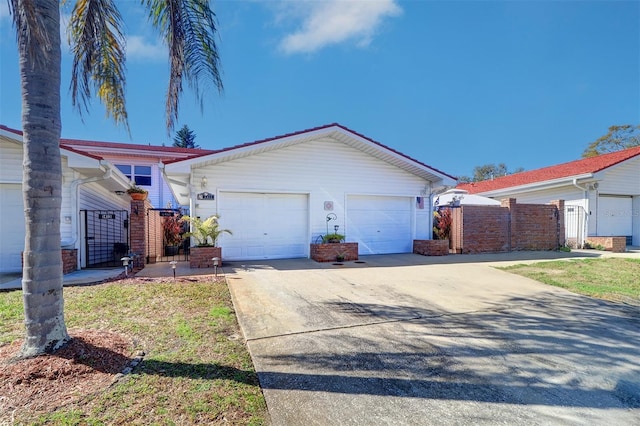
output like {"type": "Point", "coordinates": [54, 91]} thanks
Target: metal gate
{"type": "Point", "coordinates": [575, 222]}
{"type": "Point", "coordinates": [165, 240]}
{"type": "Point", "coordinates": [106, 237]}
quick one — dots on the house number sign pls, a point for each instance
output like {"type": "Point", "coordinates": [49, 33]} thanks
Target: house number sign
{"type": "Point", "coordinates": [206, 196]}
{"type": "Point", "coordinates": [106, 216]}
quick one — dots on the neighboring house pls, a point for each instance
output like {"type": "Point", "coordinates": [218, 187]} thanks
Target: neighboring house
{"type": "Point", "coordinates": [139, 163]}
{"type": "Point", "coordinates": [278, 195]}
{"type": "Point", "coordinates": [93, 216]}
{"type": "Point", "coordinates": [602, 194]}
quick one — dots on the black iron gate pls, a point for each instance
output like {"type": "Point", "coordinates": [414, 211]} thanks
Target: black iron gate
{"type": "Point", "coordinates": [106, 237]}
{"type": "Point", "coordinates": [165, 236]}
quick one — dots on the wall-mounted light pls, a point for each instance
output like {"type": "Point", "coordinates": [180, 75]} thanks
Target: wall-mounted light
{"type": "Point", "coordinates": [203, 182]}
{"type": "Point", "coordinates": [119, 192]}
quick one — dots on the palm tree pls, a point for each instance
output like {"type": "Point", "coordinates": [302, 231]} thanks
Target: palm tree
{"type": "Point", "coordinates": [189, 30]}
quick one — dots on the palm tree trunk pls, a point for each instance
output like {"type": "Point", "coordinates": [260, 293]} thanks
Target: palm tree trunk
{"type": "Point", "coordinates": [42, 183]}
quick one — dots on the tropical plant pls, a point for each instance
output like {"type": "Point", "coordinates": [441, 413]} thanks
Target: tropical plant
{"type": "Point", "coordinates": [188, 28]}
{"type": "Point", "coordinates": [206, 232]}
{"type": "Point", "coordinates": [171, 230]}
{"type": "Point", "coordinates": [442, 224]}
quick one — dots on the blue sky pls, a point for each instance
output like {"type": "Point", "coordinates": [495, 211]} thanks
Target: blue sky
{"type": "Point", "coordinates": [454, 84]}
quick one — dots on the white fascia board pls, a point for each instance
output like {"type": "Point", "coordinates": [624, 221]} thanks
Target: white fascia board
{"type": "Point", "coordinates": [11, 137]}
{"type": "Point", "coordinates": [536, 186]}
{"type": "Point", "coordinates": [185, 166]}
{"type": "Point", "coordinates": [79, 161]}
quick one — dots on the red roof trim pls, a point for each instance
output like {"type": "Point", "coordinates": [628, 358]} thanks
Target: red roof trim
{"type": "Point", "coordinates": [10, 130]}
{"type": "Point", "coordinates": [86, 154]}
{"type": "Point", "coordinates": [559, 171]}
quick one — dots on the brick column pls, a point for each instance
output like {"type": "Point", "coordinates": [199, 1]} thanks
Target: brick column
{"type": "Point", "coordinates": [138, 232]}
{"type": "Point", "coordinates": [510, 203]}
{"type": "Point", "coordinates": [561, 227]}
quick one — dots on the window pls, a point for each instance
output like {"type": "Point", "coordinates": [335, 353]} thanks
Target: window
{"type": "Point", "coordinates": [141, 174]}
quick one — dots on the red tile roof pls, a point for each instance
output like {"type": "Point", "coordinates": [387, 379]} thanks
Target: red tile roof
{"type": "Point", "coordinates": [77, 145]}
{"type": "Point", "coordinates": [565, 170]}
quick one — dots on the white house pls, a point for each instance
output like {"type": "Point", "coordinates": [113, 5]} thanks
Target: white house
{"type": "Point", "coordinates": [94, 211]}
{"type": "Point", "coordinates": [278, 195]}
{"type": "Point", "coordinates": [602, 193]}
{"type": "Point", "coordinates": [139, 163]}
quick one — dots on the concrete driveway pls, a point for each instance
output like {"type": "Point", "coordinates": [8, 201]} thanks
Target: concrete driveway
{"type": "Point", "coordinates": [433, 342]}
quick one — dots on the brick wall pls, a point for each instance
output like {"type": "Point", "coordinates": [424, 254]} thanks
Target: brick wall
{"type": "Point", "coordinates": [201, 257]}
{"type": "Point", "coordinates": [480, 229]}
{"type": "Point", "coordinates": [69, 260]}
{"type": "Point", "coordinates": [431, 247]}
{"type": "Point", "coordinates": [329, 252]}
{"type": "Point", "coordinates": [510, 227]}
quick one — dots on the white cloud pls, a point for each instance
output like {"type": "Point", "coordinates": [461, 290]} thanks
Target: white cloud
{"type": "Point", "coordinates": [140, 49]}
{"type": "Point", "coordinates": [336, 21]}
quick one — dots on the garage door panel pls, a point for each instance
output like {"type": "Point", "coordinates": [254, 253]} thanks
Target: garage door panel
{"type": "Point", "coordinates": [380, 224]}
{"type": "Point", "coordinates": [614, 216]}
{"type": "Point", "coordinates": [13, 227]}
{"type": "Point", "coordinates": [265, 226]}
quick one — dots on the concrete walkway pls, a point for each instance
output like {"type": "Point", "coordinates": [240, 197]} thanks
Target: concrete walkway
{"type": "Point", "coordinates": [405, 339]}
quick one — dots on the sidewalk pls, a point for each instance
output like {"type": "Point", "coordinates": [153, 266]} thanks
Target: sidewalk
{"type": "Point", "coordinates": [81, 277]}
{"type": "Point", "coordinates": [91, 276]}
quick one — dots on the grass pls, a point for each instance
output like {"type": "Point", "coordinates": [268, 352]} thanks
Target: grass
{"type": "Point", "coordinates": [195, 371]}
{"type": "Point", "coordinates": [615, 279]}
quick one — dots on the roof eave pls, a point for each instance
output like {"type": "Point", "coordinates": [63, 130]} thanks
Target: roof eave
{"type": "Point", "coordinates": [536, 186]}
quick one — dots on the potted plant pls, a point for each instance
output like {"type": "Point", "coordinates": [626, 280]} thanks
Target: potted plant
{"type": "Point", "coordinates": [206, 233]}
{"type": "Point", "coordinates": [332, 238]}
{"type": "Point", "coordinates": [171, 230]}
{"type": "Point", "coordinates": [137, 193]}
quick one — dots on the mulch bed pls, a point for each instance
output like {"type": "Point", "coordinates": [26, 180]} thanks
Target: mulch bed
{"type": "Point", "coordinates": [89, 363]}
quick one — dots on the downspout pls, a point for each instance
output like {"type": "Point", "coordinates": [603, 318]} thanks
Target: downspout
{"type": "Point", "coordinates": [75, 205]}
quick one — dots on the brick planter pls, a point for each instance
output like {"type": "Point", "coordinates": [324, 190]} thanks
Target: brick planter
{"type": "Point", "coordinates": [200, 257]}
{"type": "Point", "coordinates": [431, 247]}
{"type": "Point", "coordinates": [329, 252]}
{"type": "Point", "coordinates": [614, 244]}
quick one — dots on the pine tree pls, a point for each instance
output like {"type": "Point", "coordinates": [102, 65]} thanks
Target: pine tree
{"type": "Point", "coordinates": [185, 138]}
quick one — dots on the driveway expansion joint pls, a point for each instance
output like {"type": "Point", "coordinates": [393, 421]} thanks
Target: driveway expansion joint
{"type": "Point", "coordinates": [367, 324]}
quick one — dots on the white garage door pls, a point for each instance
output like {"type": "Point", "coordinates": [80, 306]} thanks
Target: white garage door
{"type": "Point", "coordinates": [379, 224]}
{"type": "Point", "coordinates": [12, 223]}
{"type": "Point", "coordinates": [265, 226]}
{"type": "Point", "coordinates": [614, 216]}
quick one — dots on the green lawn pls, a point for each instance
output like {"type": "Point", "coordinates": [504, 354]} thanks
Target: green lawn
{"type": "Point", "coordinates": [616, 279]}
{"type": "Point", "coordinates": [196, 369]}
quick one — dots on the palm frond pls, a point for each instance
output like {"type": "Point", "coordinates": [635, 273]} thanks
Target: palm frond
{"type": "Point", "coordinates": [189, 29]}
{"type": "Point", "coordinates": [98, 47]}
{"type": "Point", "coordinates": [30, 29]}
